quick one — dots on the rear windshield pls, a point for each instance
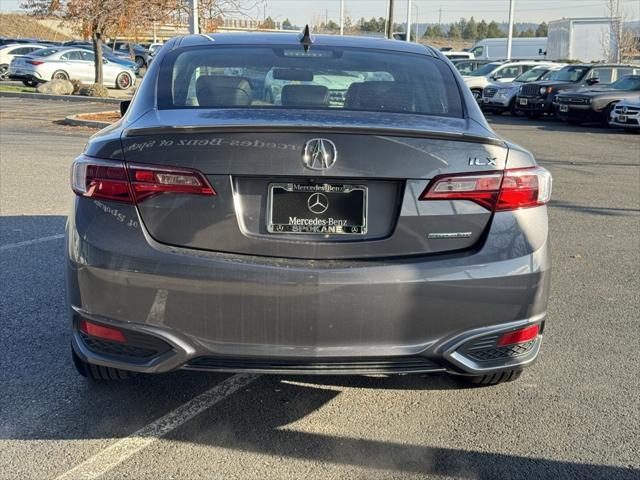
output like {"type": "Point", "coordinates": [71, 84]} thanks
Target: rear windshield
{"type": "Point", "coordinates": [323, 78]}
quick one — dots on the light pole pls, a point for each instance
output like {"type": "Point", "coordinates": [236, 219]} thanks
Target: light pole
{"type": "Point", "coordinates": [408, 39]}
{"type": "Point", "coordinates": [341, 17]}
{"type": "Point", "coordinates": [510, 36]}
{"type": "Point", "coordinates": [416, 7]}
{"type": "Point", "coordinates": [389, 26]}
{"type": "Point", "coordinates": [193, 18]}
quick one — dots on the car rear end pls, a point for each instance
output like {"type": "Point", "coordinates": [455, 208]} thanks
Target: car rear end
{"type": "Point", "coordinates": [394, 233]}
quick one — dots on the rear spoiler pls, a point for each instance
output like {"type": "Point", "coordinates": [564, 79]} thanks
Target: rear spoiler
{"type": "Point", "coordinates": [379, 131]}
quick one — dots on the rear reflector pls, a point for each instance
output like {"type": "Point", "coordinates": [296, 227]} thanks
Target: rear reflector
{"type": "Point", "coordinates": [101, 331]}
{"type": "Point", "coordinates": [519, 336]}
{"type": "Point", "coordinates": [495, 191]}
{"type": "Point", "coordinates": [112, 180]}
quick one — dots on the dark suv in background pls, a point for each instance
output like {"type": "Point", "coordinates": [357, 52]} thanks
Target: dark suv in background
{"type": "Point", "coordinates": [537, 98]}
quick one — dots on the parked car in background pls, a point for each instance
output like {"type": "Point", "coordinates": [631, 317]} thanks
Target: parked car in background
{"type": "Point", "coordinates": [501, 72]}
{"type": "Point", "coordinates": [521, 48]}
{"type": "Point", "coordinates": [453, 55]}
{"type": "Point", "coordinates": [336, 82]}
{"type": "Point", "coordinates": [597, 104]}
{"type": "Point", "coordinates": [125, 61]}
{"type": "Point", "coordinates": [626, 114]}
{"type": "Point", "coordinates": [11, 50]}
{"type": "Point", "coordinates": [152, 46]}
{"type": "Point", "coordinates": [140, 54]}
{"type": "Point", "coordinates": [387, 234]}
{"type": "Point", "coordinates": [501, 97]}
{"type": "Point", "coordinates": [536, 99]}
{"type": "Point", "coordinates": [466, 66]}
{"type": "Point", "coordinates": [68, 63]}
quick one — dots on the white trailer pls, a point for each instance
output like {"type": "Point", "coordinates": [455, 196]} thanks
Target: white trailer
{"type": "Point", "coordinates": [521, 49]}
{"type": "Point", "coordinates": [583, 39]}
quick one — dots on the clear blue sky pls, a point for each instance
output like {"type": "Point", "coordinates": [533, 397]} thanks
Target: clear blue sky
{"type": "Point", "coordinates": [303, 11]}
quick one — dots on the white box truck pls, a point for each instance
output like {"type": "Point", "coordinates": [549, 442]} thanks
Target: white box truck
{"type": "Point", "coordinates": [582, 39]}
{"type": "Point", "coordinates": [521, 49]}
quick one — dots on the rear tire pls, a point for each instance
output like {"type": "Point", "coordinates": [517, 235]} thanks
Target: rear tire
{"type": "Point", "coordinates": [477, 94]}
{"type": "Point", "coordinates": [140, 62]}
{"type": "Point", "coordinates": [606, 115]}
{"type": "Point", "coordinates": [494, 378]}
{"type": "Point", "coordinates": [98, 372]}
{"type": "Point", "coordinates": [4, 71]}
{"type": "Point", "coordinates": [124, 81]}
{"type": "Point", "coordinates": [60, 75]}
{"type": "Point", "coordinates": [30, 83]}
{"type": "Point", "coordinates": [512, 108]}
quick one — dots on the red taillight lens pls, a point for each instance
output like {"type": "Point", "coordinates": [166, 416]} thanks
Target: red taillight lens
{"type": "Point", "coordinates": [103, 179]}
{"type": "Point", "coordinates": [102, 331]}
{"type": "Point", "coordinates": [35, 62]}
{"type": "Point", "coordinates": [508, 190]}
{"type": "Point", "coordinates": [112, 180]}
{"type": "Point", "coordinates": [519, 336]}
{"type": "Point", "coordinates": [482, 189]}
{"type": "Point", "coordinates": [148, 181]}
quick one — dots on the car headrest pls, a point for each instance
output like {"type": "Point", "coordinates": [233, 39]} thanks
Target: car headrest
{"type": "Point", "coordinates": [379, 96]}
{"type": "Point", "coordinates": [223, 91]}
{"type": "Point", "coordinates": [305, 96]}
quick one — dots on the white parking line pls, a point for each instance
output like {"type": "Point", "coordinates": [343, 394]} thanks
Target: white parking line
{"type": "Point", "coordinates": [30, 242]}
{"type": "Point", "coordinates": [125, 448]}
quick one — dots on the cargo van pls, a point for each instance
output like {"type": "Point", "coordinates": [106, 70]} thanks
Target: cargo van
{"type": "Point", "coordinates": [521, 49]}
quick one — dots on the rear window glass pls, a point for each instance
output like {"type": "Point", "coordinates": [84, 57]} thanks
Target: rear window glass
{"type": "Point", "coordinates": [323, 78]}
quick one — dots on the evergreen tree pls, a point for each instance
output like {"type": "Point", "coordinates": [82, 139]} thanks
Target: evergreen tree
{"type": "Point", "coordinates": [286, 25]}
{"type": "Point", "coordinates": [483, 29]}
{"type": "Point", "coordinates": [527, 33]}
{"type": "Point", "coordinates": [542, 30]}
{"type": "Point", "coordinates": [470, 31]}
{"type": "Point", "coordinates": [493, 31]}
{"type": "Point", "coordinates": [454, 31]}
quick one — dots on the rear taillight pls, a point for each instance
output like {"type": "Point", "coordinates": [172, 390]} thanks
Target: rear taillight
{"type": "Point", "coordinates": [112, 180]}
{"type": "Point", "coordinates": [35, 62]}
{"type": "Point", "coordinates": [495, 191]}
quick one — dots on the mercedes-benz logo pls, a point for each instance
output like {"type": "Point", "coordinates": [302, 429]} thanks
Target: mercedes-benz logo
{"type": "Point", "coordinates": [318, 203]}
{"type": "Point", "coordinates": [624, 109]}
{"type": "Point", "coordinates": [319, 154]}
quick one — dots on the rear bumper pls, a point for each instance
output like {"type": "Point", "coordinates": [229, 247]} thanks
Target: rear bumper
{"type": "Point", "coordinates": [228, 312]}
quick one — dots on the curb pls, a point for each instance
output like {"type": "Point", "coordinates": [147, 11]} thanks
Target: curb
{"type": "Point", "coordinates": [65, 98]}
{"type": "Point", "coordinates": [74, 121]}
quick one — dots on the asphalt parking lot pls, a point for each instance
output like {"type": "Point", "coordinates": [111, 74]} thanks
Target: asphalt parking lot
{"type": "Point", "coordinates": [574, 414]}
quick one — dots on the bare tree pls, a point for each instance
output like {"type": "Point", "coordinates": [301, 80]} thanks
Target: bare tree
{"type": "Point", "coordinates": [620, 44]}
{"type": "Point", "coordinates": [211, 13]}
{"type": "Point", "coordinates": [96, 18]}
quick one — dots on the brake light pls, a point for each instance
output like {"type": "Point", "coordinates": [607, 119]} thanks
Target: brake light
{"type": "Point", "coordinates": [112, 180]}
{"type": "Point", "coordinates": [35, 62]}
{"type": "Point", "coordinates": [102, 331]}
{"type": "Point", "coordinates": [519, 336]}
{"type": "Point", "coordinates": [495, 191]}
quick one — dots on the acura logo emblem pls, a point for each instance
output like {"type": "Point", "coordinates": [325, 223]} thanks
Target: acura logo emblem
{"type": "Point", "coordinates": [319, 154]}
{"type": "Point", "coordinates": [318, 203]}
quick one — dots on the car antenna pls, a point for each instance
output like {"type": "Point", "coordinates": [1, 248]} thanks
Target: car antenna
{"type": "Point", "coordinates": [305, 38]}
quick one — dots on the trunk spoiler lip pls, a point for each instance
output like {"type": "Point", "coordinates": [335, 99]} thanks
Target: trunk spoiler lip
{"type": "Point", "coordinates": [363, 130]}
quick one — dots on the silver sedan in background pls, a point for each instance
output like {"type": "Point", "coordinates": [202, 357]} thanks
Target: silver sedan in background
{"type": "Point", "coordinates": [68, 63]}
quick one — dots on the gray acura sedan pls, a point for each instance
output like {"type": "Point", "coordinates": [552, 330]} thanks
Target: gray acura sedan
{"type": "Point", "coordinates": [376, 225]}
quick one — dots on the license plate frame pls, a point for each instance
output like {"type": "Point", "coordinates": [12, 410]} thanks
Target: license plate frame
{"type": "Point", "coordinates": [523, 101]}
{"type": "Point", "coordinates": [622, 118]}
{"type": "Point", "coordinates": [563, 108]}
{"type": "Point", "coordinates": [324, 223]}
